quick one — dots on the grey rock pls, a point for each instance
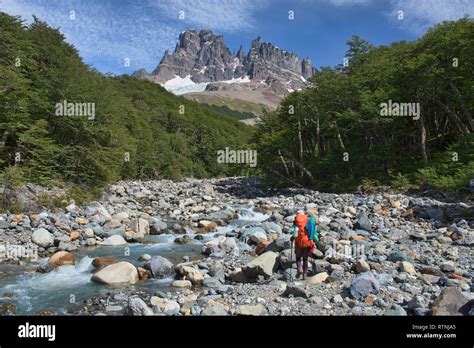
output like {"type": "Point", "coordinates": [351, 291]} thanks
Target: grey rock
{"type": "Point", "coordinates": [159, 267]}
{"type": "Point", "coordinates": [215, 309]}
{"type": "Point", "coordinates": [158, 228]}
{"type": "Point", "coordinates": [250, 310]}
{"type": "Point", "coordinates": [290, 274]}
{"type": "Point", "coordinates": [42, 237]}
{"type": "Point", "coordinates": [296, 291]}
{"type": "Point", "coordinates": [399, 256]}
{"type": "Point", "coordinates": [395, 310]}
{"type": "Point", "coordinates": [211, 282]}
{"type": "Point", "coordinates": [264, 265]}
{"type": "Point", "coordinates": [286, 258]}
{"type": "Point", "coordinates": [417, 302]}
{"type": "Point", "coordinates": [451, 301]}
{"type": "Point", "coordinates": [363, 222]}
{"type": "Point", "coordinates": [363, 285]}
{"type": "Point", "coordinates": [138, 307]}
{"type": "Point", "coordinates": [45, 267]}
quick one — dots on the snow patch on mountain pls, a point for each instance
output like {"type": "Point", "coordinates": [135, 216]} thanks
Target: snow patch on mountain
{"type": "Point", "coordinates": [181, 85]}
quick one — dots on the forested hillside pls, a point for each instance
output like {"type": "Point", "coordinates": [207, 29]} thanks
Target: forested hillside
{"type": "Point", "coordinates": [139, 130]}
{"type": "Point", "coordinates": [332, 136]}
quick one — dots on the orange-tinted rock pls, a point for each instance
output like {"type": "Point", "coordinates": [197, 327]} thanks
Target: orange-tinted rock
{"type": "Point", "coordinates": [103, 261]}
{"type": "Point", "coordinates": [261, 246]}
{"type": "Point", "coordinates": [62, 258]}
{"type": "Point", "coordinates": [16, 218]}
{"type": "Point", "coordinates": [74, 235]}
{"type": "Point", "coordinates": [143, 273]}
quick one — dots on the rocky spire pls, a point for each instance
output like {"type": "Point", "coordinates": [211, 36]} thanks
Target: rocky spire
{"type": "Point", "coordinates": [205, 58]}
{"type": "Point", "coordinates": [240, 53]}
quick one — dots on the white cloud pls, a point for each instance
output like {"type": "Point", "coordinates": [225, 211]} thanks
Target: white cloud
{"type": "Point", "coordinates": [101, 33]}
{"type": "Point", "coordinates": [220, 15]}
{"type": "Point", "coordinates": [419, 15]}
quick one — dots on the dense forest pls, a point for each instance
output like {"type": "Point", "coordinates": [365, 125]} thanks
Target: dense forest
{"type": "Point", "coordinates": [331, 135]}
{"type": "Point", "coordinates": [334, 135]}
{"type": "Point", "coordinates": [139, 130]}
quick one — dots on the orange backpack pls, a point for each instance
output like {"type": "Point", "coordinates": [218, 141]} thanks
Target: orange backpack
{"type": "Point", "coordinates": [302, 240]}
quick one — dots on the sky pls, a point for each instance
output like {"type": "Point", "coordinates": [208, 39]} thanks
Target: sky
{"type": "Point", "coordinates": [121, 36]}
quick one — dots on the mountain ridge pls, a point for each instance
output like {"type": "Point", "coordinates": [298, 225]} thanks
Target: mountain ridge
{"type": "Point", "coordinates": [201, 62]}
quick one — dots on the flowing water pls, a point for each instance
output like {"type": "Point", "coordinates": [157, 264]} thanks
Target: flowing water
{"type": "Point", "coordinates": [31, 291]}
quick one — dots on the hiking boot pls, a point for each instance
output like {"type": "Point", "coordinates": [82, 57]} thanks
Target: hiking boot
{"type": "Point", "coordinates": [304, 276]}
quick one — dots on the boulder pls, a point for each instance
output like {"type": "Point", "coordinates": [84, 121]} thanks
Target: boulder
{"type": "Point", "coordinates": [115, 240]}
{"type": "Point", "coordinates": [399, 256]}
{"type": "Point", "coordinates": [271, 227]}
{"type": "Point", "coordinates": [264, 265]}
{"type": "Point", "coordinates": [144, 257]}
{"type": "Point", "coordinates": [42, 237]}
{"type": "Point", "coordinates": [290, 274]}
{"type": "Point", "coordinates": [250, 310]}
{"type": "Point", "coordinates": [261, 247]}
{"type": "Point", "coordinates": [182, 284]}
{"type": "Point", "coordinates": [171, 308]}
{"type": "Point", "coordinates": [280, 244]}
{"type": "Point", "coordinates": [140, 227]}
{"type": "Point", "coordinates": [75, 235]}
{"type": "Point", "coordinates": [190, 273]}
{"type": "Point", "coordinates": [158, 227]}
{"type": "Point", "coordinates": [120, 216]}
{"type": "Point", "coordinates": [417, 302]}
{"type": "Point", "coordinates": [103, 261]}
{"type": "Point", "coordinates": [184, 240]}
{"type": "Point", "coordinates": [317, 279]}
{"type": "Point", "coordinates": [45, 268]}
{"type": "Point", "coordinates": [214, 308]}
{"type": "Point", "coordinates": [296, 291]}
{"type": "Point", "coordinates": [407, 267]}
{"type": "Point", "coordinates": [363, 285]}
{"type": "Point", "coordinates": [136, 306]}
{"type": "Point", "coordinates": [395, 310]}
{"type": "Point", "coordinates": [230, 243]}
{"type": "Point", "coordinates": [159, 267]}
{"type": "Point", "coordinates": [62, 258]}
{"type": "Point", "coordinates": [451, 301]}
{"type": "Point", "coordinates": [363, 222]}
{"type": "Point", "coordinates": [143, 273]}
{"type": "Point", "coordinates": [207, 225]}
{"type": "Point", "coordinates": [238, 276]}
{"type": "Point", "coordinates": [286, 258]}
{"type": "Point", "coordinates": [158, 303]}
{"type": "Point", "coordinates": [98, 211]}
{"type": "Point", "coordinates": [361, 266]}
{"type": "Point", "coordinates": [117, 273]}
{"type": "Point", "coordinates": [258, 236]}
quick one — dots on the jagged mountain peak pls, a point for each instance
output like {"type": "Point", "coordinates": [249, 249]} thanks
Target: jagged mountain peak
{"type": "Point", "coordinates": [201, 61]}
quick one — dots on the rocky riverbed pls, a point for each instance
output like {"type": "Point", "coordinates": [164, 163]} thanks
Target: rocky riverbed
{"type": "Point", "coordinates": [221, 247]}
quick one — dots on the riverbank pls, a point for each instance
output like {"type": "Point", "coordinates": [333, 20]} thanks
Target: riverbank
{"type": "Point", "coordinates": [221, 247]}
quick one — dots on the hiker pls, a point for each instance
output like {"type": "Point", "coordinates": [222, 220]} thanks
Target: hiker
{"type": "Point", "coordinates": [304, 234]}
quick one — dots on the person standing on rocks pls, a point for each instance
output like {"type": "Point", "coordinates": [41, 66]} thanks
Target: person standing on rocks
{"type": "Point", "coordinates": [303, 242]}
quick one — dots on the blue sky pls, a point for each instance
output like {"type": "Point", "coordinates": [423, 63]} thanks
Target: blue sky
{"type": "Point", "coordinates": [108, 32]}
